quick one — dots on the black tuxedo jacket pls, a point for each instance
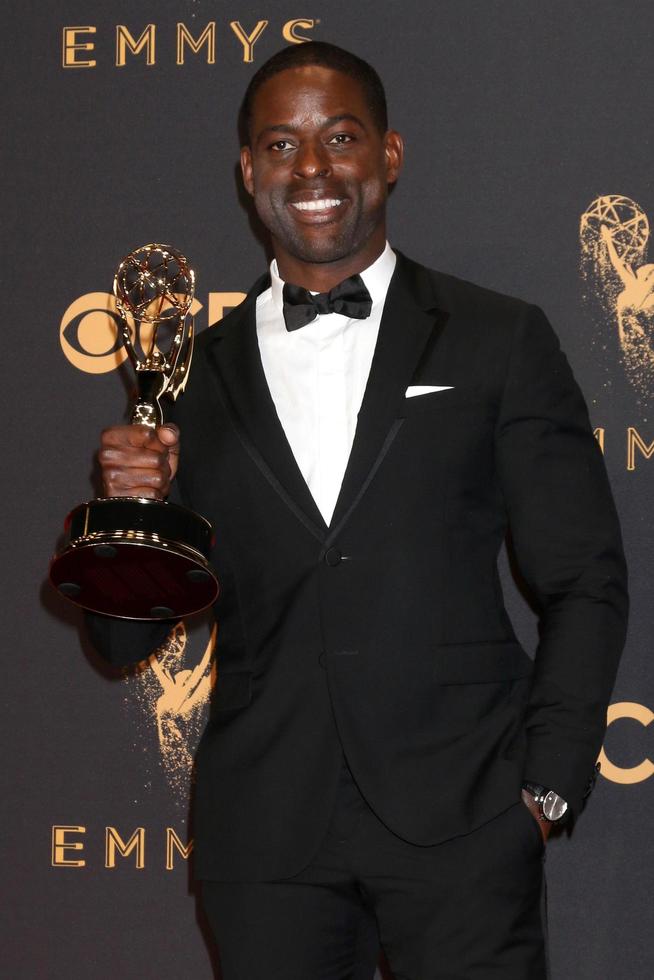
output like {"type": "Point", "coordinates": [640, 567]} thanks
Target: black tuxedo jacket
{"type": "Point", "coordinates": [384, 635]}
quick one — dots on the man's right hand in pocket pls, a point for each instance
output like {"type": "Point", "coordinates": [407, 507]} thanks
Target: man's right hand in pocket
{"type": "Point", "coordinates": [137, 461]}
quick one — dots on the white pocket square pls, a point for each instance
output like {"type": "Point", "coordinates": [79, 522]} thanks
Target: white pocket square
{"type": "Point", "coordinates": [414, 390]}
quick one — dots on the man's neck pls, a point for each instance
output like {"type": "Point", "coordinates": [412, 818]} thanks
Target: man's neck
{"type": "Point", "coordinates": [320, 277]}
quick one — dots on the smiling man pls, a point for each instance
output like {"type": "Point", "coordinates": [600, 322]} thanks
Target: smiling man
{"type": "Point", "coordinates": [383, 761]}
{"type": "Point", "coordinates": [319, 175]}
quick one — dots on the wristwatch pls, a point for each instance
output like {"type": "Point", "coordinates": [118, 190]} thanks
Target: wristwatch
{"type": "Point", "coordinates": [552, 807]}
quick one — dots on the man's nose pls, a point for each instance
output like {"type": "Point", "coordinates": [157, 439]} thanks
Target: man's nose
{"type": "Point", "coordinates": [312, 160]}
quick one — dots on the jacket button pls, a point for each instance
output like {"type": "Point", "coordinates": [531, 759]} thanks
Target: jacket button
{"type": "Point", "coordinates": [333, 557]}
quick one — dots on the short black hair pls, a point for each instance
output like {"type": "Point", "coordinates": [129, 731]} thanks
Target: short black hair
{"type": "Point", "coordinates": [323, 55]}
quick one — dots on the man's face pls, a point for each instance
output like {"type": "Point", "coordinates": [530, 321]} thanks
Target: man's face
{"type": "Point", "coordinates": [318, 168]}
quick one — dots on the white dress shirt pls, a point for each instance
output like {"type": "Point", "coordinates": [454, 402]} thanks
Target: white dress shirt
{"type": "Point", "coordinates": [317, 376]}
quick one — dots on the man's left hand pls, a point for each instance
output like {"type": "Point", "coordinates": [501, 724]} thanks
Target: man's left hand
{"type": "Point", "coordinates": [545, 826]}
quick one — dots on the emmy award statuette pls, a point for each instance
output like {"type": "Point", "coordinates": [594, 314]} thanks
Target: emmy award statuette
{"type": "Point", "coordinates": [134, 557]}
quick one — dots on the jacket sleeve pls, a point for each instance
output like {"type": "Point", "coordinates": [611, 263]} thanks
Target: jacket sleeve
{"type": "Point", "coordinates": [122, 642]}
{"type": "Point", "coordinates": [568, 547]}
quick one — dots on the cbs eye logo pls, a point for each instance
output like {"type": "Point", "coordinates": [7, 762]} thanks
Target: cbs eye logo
{"type": "Point", "coordinates": [626, 775]}
{"type": "Point", "coordinates": [89, 333]}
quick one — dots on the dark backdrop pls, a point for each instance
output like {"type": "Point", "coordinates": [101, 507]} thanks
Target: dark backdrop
{"type": "Point", "coordinates": [517, 116]}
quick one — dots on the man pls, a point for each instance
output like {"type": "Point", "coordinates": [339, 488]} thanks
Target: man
{"type": "Point", "coordinates": [381, 751]}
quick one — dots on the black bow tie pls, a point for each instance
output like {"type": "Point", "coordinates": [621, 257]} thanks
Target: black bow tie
{"type": "Point", "coordinates": [350, 297]}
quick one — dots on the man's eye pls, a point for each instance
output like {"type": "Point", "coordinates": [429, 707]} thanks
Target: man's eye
{"type": "Point", "coordinates": [341, 138]}
{"type": "Point", "coordinates": [280, 145]}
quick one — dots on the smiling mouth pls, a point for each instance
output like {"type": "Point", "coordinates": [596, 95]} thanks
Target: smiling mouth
{"type": "Point", "coordinates": [325, 204]}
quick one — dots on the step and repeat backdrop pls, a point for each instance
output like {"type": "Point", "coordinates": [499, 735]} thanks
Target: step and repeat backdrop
{"type": "Point", "coordinates": [528, 133]}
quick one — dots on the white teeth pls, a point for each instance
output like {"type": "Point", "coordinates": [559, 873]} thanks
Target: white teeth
{"type": "Point", "coordinates": [328, 202]}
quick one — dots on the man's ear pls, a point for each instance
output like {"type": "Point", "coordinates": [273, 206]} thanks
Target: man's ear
{"type": "Point", "coordinates": [394, 151]}
{"type": "Point", "coordinates": [246, 169]}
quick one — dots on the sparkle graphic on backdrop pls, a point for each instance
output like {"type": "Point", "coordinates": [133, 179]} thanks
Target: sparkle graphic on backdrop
{"type": "Point", "coordinates": [173, 699]}
{"type": "Point", "coordinates": [614, 233]}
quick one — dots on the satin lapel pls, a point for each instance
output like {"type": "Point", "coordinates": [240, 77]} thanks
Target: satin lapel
{"type": "Point", "coordinates": [411, 324]}
{"type": "Point", "coordinates": [246, 396]}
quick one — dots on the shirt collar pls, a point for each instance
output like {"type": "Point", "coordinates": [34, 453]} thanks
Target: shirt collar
{"type": "Point", "coordinates": [376, 277]}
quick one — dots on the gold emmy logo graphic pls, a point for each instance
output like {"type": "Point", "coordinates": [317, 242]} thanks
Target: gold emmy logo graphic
{"type": "Point", "coordinates": [614, 232]}
{"type": "Point", "coordinates": [173, 698]}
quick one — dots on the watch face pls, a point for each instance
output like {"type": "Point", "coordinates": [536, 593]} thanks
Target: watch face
{"type": "Point", "coordinates": [554, 807]}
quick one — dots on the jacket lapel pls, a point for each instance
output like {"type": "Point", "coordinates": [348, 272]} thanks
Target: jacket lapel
{"type": "Point", "coordinates": [411, 325]}
{"type": "Point", "coordinates": [246, 396]}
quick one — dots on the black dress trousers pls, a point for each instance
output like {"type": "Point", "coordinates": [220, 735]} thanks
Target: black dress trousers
{"type": "Point", "coordinates": [466, 909]}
